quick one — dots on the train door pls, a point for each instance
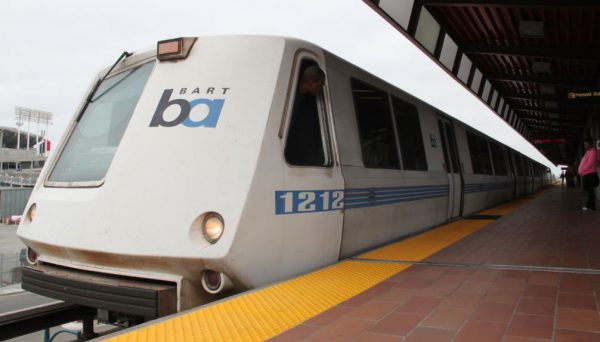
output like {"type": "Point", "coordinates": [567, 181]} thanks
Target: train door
{"type": "Point", "coordinates": [453, 168]}
{"type": "Point", "coordinates": [527, 175]}
{"type": "Point", "coordinates": [513, 172]}
{"type": "Point", "coordinates": [313, 198]}
{"type": "Point", "coordinates": [531, 174]}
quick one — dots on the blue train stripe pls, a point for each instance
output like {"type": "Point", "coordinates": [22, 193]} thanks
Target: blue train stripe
{"type": "Point", "coordinates": [398, 190]}
{"type": "Point", "coordinates": [393, 193]}
{"type": "Point", "coordinates": [309, 201]}
{"type": "Point", "coordinates": [478, 187]}
{"type": "Point", "coordinates": [350, 199]}
{"type": "Point", "coordinates": [350, 204]}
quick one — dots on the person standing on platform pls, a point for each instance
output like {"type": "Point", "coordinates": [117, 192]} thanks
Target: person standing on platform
{"type": "Point", "coordinates": [570, 176]}
{"type": "Point", "coordinates": [587, 171]}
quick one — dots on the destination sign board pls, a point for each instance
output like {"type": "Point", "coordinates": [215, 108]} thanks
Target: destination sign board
{"type": "Point", "coordinates": [590, 96]}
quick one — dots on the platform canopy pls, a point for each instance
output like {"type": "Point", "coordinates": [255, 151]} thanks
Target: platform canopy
{"type": "Point", "coordinates": [536, 63]}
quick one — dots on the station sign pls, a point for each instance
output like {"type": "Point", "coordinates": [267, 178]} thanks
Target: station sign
{"type": "Point", "coordinates": [547, 141]}
{"type": "Point", "coordinates": [588, 97]}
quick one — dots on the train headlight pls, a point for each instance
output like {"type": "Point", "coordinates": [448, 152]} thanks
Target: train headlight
{"type": "Point", "coordinates": [31, 212]}
{"type": "Point", "coordinates": [171, 49]}
{"type": "Point", "coordinates": [214, 282]}
{"type": "Point", "coordinates": [31, 255]}
{"type": "Point", "coordinates": [213, 227]}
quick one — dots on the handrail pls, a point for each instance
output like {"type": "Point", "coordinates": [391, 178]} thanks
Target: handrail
{"type": "Point", "coordinates": [21, 181]}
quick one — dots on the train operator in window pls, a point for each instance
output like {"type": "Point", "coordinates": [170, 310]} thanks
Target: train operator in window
{"type": "Point", "coordinates": [304, 145]}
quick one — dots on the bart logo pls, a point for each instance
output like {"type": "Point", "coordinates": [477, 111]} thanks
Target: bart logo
{"type": "Point", "coordinates": [211, 118]}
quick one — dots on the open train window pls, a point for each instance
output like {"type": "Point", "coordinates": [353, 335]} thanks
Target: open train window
{"type": "Point", "coordinates": [480, 154]}
{"type": "Point", "coordinates": [409, 134]}
{"type": "Point", "coordinates": [307, 142]}
{"type": "Point", "coordinates": [375, 127]}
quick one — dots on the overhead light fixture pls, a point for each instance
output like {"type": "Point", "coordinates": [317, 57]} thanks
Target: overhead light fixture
{"type": "Point", "coordinates": [531, 29]}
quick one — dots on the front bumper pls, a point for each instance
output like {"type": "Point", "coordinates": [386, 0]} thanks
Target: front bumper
{"type": "Point", "coordinates": [146, 298]}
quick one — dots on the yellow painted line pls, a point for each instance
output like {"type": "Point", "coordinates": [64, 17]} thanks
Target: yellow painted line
{"type": "Point", "coordinates": [267, 312]}
{"type": "Point", "coordinates": [421, 246]}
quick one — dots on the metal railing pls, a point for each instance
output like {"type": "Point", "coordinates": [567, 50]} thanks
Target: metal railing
{"type": "Point", "coordinates": [14, 155]}
{"type": "Point", "coordinates": [12, 179]}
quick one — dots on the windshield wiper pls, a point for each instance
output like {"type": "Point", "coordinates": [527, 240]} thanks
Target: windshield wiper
{"type": "Point", "coordinates": [90, 97]}
{"type": "Point", "coordinates": [114, 85]}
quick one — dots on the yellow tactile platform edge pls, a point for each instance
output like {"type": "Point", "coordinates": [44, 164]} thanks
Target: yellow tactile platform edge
{"type": "Point", "coordinates": [506, 207]}
{"type": "Point", "coordinates": [421, 246]}
{"type": "Point", "coordinates": [424, 245]}
{"type": "Point", "coordinates": [262, 314]}
{"type": "Point", "coordinates": [265, 313]}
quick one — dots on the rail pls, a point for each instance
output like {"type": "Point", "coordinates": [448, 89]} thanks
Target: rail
{"type": "Point", "coordinates": [10, 267]}
{"type": "Point", "coordinates": [36, 318]}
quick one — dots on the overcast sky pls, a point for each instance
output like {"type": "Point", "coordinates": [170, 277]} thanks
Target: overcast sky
{"type": "Point", "coordinates": [51, 50]}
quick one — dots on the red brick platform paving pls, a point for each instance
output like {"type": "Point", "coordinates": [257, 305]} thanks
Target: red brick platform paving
{"type": "Point", "coordinates": [473, 302]}
{"type": "Point", "coordinates": [551, 231]}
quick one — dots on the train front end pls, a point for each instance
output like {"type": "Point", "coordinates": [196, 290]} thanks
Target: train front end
{"type": "Point", "coordinates": [137, 210]}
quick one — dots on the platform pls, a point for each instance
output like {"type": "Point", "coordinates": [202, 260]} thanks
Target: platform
{"type": "Point", "coordinates": [528, 270]}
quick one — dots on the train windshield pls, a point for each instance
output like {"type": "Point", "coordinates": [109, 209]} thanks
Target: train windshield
{"type": "Point", "coordinates": [89, 150]}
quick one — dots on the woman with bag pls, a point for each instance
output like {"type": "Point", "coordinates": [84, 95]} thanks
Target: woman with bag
{"type": "Point", "coordinates": [587, 171]}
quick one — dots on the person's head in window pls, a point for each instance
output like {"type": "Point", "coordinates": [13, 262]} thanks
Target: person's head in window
{"type": "Point", "coordinates": [313, 80]}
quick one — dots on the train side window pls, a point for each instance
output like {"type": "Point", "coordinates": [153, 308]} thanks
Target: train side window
{"type": "Point", "coordinates": [447, 166]}
{"type": "Point", "coordinates": [527, 166]}
{"type": "Point", "coordinates": [499, 159]}
{"type": "Point", "coordinates": [523, 167]}
{"type": "Point", "coordinates": [375, 128]}
{"type": "Point", "coordinates": [307, 142]}
{"type": "Point", "coordinates": [518, 164]}
{"type": "Point", "coordinates": [452, 147]}
{"type": "Point", "coordinates": [408, 127]}
{"type": "Point", "coordinates": [480, 154]}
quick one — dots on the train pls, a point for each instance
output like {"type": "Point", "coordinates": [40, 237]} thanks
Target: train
{"type": "Point", "coordinates": [189, 172]}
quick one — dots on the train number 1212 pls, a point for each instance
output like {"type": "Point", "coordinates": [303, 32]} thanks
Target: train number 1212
{"type": "Point", "coordinates": [308, 201]}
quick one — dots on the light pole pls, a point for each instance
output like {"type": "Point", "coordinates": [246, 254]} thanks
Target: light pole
{"type": "Point", "coordinates": [19, 124]}
{"type": "Point", "coordinates": [32, 115]}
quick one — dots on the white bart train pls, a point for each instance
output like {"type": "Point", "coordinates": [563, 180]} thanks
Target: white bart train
{"type": "Point", "coordinates": [173, 186]}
